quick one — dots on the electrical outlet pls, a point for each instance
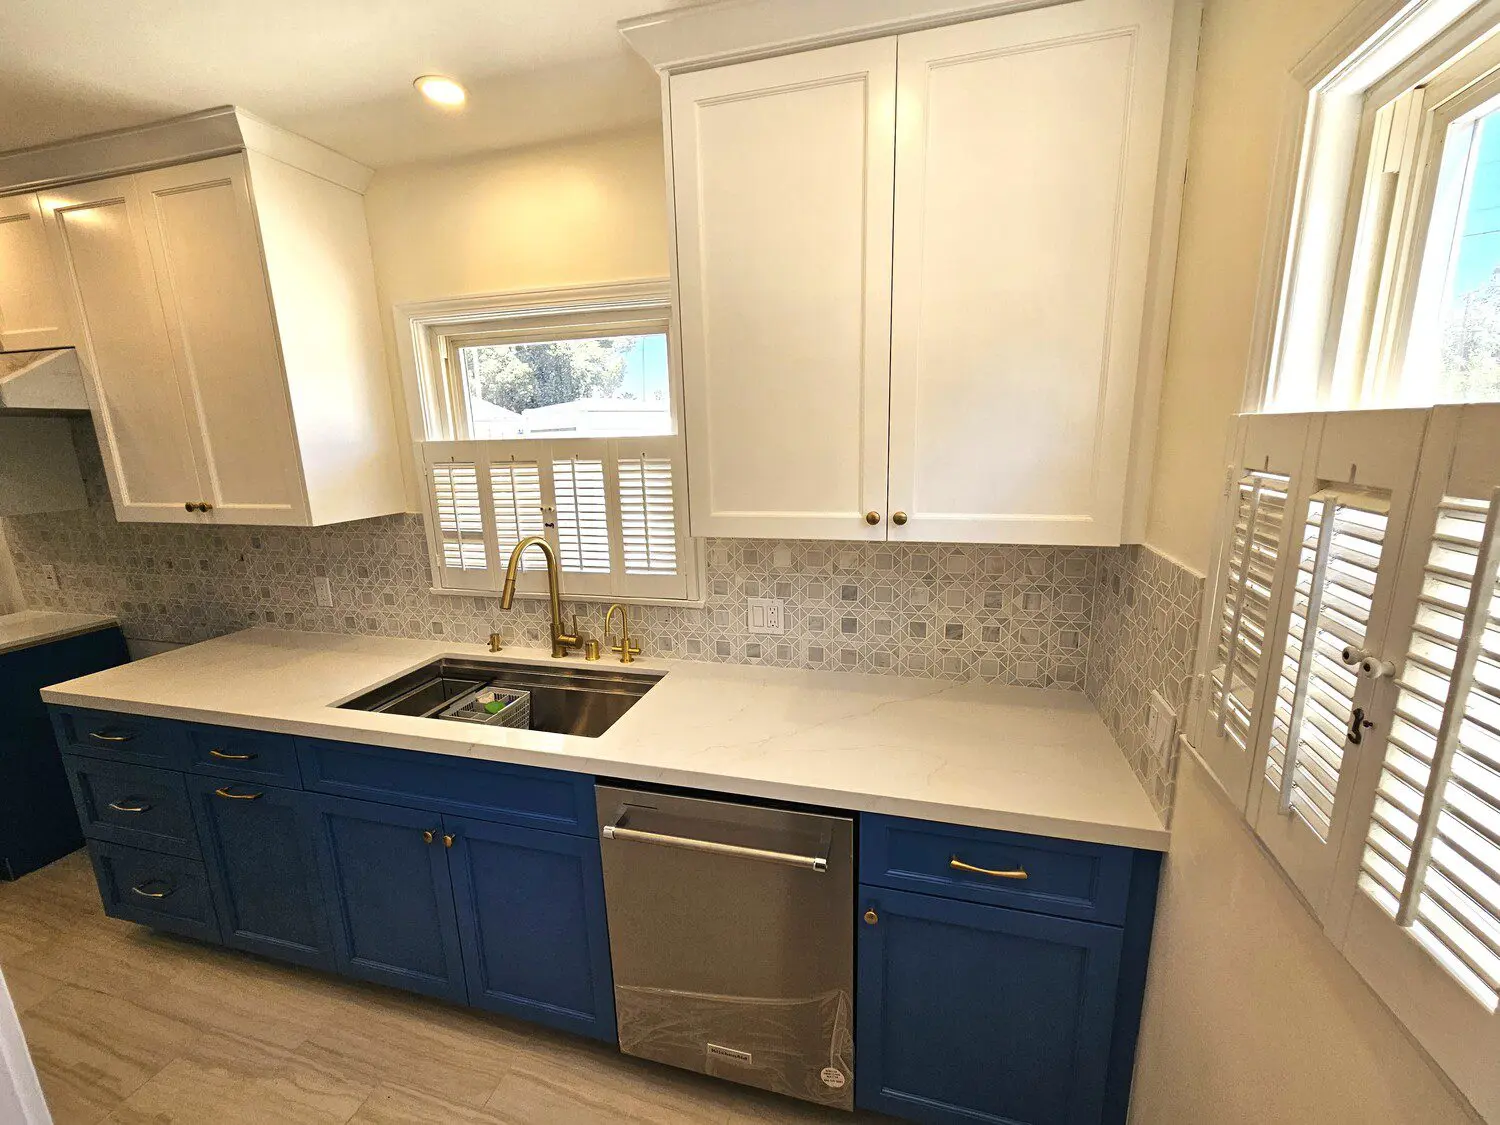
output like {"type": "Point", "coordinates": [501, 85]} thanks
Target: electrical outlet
{"type": "Point", "coordinates": [767, 615]}
{"type": "Point", "coordinates": [49, 578]}
{"type": "Point", "coordinates": [1161, 730]}
{"type": "Point", "coordinates": [324, 591]}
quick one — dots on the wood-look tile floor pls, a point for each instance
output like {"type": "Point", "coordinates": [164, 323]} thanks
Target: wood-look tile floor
{"type": "Point", "coordinates": [131, 1027]}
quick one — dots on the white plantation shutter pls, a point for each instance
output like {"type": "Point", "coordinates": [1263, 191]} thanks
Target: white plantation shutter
{"type": "Point", "coordinates": [516, 493]}
{"type": "Point", "coordinates": [582, 502]}
{"type": "Point", "coordinates": [459, 525]}
{"type": "Point", "coordinates": [648, 515]}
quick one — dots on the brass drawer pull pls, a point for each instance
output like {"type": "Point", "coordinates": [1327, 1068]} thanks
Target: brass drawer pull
{"type": "Point", "coordinates": [128, 808]}
{"type": "Point", "coordinates": [237, 796]}
{"type": "Point", "coordinates": [100, 736]}
{"type": "Point", "coordinates": [140, 889]}
{"type": "Point", "coordinates": [230, 757]}
{"type": "Point", "coordinates": [959, 865]}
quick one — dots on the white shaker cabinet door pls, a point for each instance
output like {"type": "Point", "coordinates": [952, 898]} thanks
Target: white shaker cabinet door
{"type": "Point", "coordinates": [32, 312]}
{"type": "Point", "coordinates": [1026, 168]}
{"type": "Point", "coordinates": [782, 173]}
{"type": "Point", "coordinates": [99, 242]}
{"type": "Point", "coordinates": [204, 243]}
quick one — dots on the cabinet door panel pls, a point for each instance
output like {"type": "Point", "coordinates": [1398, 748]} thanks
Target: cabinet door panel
{"type": "Point", "coordinates": [259, 845]}
{"type": "Point", "coordinates": [390, 895]}
{"type": "Point", "coordinates": [206, 251]}
{"type": "Point", "coordinates": [1026, 165]}
{"type": "Point", "coordinates": [971, 1013]}
{"type": "Point", "coordinates": [782, 179]}
{"type": "Point", "coordinates": [531, 920]}
{"type": "Point", "coordinates": [32, 312]}
{"type": "Point", "coordinates": [144, 429]}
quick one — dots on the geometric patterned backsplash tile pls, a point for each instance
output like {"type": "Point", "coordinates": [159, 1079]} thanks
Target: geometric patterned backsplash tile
{"type": "Point", "coordinates": [1012, 615]}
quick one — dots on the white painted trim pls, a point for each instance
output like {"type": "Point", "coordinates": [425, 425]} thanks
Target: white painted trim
{"type": "Point", "coordinates": [738, 30]}
{"type": "Point", "coordinates": [21, 1099]}
{"type": "Point", "coordinates": [301, 153]}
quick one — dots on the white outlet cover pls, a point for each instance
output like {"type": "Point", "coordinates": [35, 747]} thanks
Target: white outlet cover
{"type": "Point", "coordinates": [324, 591]}
{"type": "Point", "coordinates": [49, 577]}
{"type": "Point", "coordinates": [766, 615]}
{"type": "Point", "coordinates": [1161, 730]}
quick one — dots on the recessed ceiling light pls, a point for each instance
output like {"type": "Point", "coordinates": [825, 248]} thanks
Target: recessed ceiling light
{"type": "Point", "coordinates": [440, 90]}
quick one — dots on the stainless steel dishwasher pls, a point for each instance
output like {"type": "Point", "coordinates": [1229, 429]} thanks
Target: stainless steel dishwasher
{"type": "Point", "coordinates": [732, 936]}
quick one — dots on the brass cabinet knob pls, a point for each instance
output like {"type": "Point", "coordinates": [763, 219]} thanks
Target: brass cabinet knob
{"type": "Point", "coordinates": [447, 840]}
{"type": "Point", "coordinates": [190, 506]}
{"type": "Point", "coordinates": [205, 506]}
{"type": "Point", "coordinates": [427, 835]}
{"type": "Point", "coordinates": [871, 917]}
{"type": "Point", "coordinates": [898, 518]}
{"type": "Point", "coordinates": [872, 518]}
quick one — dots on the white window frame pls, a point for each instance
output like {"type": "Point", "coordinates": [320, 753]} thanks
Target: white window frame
{"type": "Point", "coordinates": [1342, 225]}
{"type": "Point", "coordinates": [429, 334]}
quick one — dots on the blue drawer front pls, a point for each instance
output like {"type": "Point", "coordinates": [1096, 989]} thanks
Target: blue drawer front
{"type": "Point", "coordinates": [524, 795]}
{"type": "Point", "coordinates": [249, 755]}
{"type": "Point", "coordinates": [1063, 877]}
{"type": "Point", "coordinates": [121, 738]}
{"type": "Point", "coordinates": [164, 892]}
{"type": "Point", "coordinates": [133, 805]}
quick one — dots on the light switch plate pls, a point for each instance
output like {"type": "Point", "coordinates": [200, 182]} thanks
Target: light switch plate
{"type": "Point", "coordinates": [324, 591]}
{"type": "Point", "coordinates": [49, 578]}
{"type": "Point", "coordinates": [1161, 729]}
{"type": "Point", "coordinates": [766, 615]}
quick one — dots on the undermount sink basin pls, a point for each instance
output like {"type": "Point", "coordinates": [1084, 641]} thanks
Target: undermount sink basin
{"type": "Point", "coordinates": [564, 700]}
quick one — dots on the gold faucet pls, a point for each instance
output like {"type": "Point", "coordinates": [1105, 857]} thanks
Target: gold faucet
{"type": "Point", "coordinates": [628, 652]}
{"type": "Point", "coordinates": [562, 642]}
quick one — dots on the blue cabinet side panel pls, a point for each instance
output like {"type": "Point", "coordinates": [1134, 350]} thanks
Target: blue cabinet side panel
{"type": "Point", "coordinates": [532, 925]}
{"type": "Point", "coordinates": [1130, 997]}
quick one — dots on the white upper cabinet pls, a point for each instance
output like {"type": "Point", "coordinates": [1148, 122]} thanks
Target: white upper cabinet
{"type": "Point", "coordinates": [782, 172]}
{"type": "Point", "coordinates": [1026, 166]}
{"type": "Point", "coordinates": [912, 278]}
{"type": "Point", "coordinates": [228, 326]}
{"type": "Point", "coordinates": [32, 312]}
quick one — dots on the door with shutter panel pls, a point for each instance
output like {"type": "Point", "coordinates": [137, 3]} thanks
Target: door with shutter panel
{"type": "Point", "coordinates": [98, 237]}
{"type": "Point", "coordinates": [460, 526]}
{"type": "Point", "coordinates": [1026, 169]}
{"type": "Point", "coordinates": [1418, 908]}
{"type": "Point", "coordinates": [200, 227]}
{"type": "Point", "coordinates": [1261, 479]}
{"type": "Point", "coordinates": [782, 181]}
{"type": "Point", "coordinates": [1348, 517]}
{"type": "Point", "coordinates": [32, 311]}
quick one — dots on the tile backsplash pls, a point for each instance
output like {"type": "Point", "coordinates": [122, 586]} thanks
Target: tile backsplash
{"type": "Point", "coordinates": [1037, 616]}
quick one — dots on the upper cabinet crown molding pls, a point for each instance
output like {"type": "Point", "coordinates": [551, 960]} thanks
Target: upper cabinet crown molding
{"type": "Point", "coordinates": [735, 30]}
{"type": "Point", "coordinates": [196, 136]}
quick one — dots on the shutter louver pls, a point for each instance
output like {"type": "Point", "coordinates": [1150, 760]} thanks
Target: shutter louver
{"type": "Point", "coordinates": [455, 495]}
{"type": "Point", "coordinates": [516, 492]}
{"type": "Point", "coordinates": [1246, 604]}
{"type": "Point", "coordinates": [648, 515]}
{"type": "Point", "coordinates": [1340, 555]}
{"type": "Point", "coordinates": [582, 515]}
{"type": "Point", "coordinates": [1432, 855]}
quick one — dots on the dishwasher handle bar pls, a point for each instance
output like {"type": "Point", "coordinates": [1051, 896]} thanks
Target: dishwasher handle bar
{"type": "Point", "coordinates": [618, 831]}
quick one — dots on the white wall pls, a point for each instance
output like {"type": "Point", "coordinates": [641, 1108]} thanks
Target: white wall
{"type": "Point", "coordinates": [10, 589]}
{"type": "Point", "coordinates": [577, 212]}
{"type": "Point", "coordinates": [1252, 1016]}
{"type": "Point", "coordinates": [21, 1101]}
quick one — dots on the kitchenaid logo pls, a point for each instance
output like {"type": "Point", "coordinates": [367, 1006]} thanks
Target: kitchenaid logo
{"type": "Point", "coordinates": [718, 1052]}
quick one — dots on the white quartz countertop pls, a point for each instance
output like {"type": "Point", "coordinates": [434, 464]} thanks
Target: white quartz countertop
{"type": "Point", "coordinates": [1022, 759]}
{"type": "Point", "coordinates": [35, 627]}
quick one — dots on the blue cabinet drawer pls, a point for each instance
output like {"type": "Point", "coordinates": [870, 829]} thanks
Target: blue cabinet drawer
{"type": "Point", "coordinates": [1037, 873]}
{"type": "Point", "coordinates": [121, 738]}
{"type": "Point", "coordinates": [134, 805]}
{"type": "Point", "coordinates": [524, 795]}
{"type": "Point", "coordinates": [165, 892]}
{"type": "Point", "coordinates": [248, 755]}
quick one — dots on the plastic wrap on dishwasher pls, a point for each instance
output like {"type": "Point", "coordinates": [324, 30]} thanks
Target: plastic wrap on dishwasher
{"type": "Point", "coordinates": [800, 1046]}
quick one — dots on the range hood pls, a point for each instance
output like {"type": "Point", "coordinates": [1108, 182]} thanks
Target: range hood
{"type": "Point", "coordinates": [45, 382]}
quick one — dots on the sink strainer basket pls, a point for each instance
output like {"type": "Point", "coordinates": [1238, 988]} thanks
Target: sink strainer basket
{"type": "Point", "coordinates": [470, 708]}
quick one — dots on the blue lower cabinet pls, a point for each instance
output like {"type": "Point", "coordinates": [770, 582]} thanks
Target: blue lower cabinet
{"type": "Point", "coordinates": [385, 871]}
{"type": "Point", "coordinates": [165, 892]}
{"type": "Point", "coordinates": [974, 1013]}
{"type": "Point", "coordinates": [259, 845]}
{"type": "Point", "coordinates": [532, 924]}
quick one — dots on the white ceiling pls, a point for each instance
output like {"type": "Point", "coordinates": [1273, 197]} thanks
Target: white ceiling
{"type": "Point", "coordinates": [338, 71]}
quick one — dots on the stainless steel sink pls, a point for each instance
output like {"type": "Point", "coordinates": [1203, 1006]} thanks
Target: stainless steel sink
{"type": "Point", "coordinates": [566, 700]}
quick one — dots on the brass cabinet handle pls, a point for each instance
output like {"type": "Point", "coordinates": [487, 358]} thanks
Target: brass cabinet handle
{"type": "Point", "coordinates": [871, 917]}
{"type": "Point", "coordinates": [447, 840]}
{"type": "Point", "coordinates": [190, 506]}
{"type": "Point", "coordinates": [237, 796]}
{"type": "Point", "coordinates": [898, 518]}
{"type": "Point", "coordinates": [230, 757]}
{"type": "Point", "coordinates": [128, 808]}
{"type": "Point", "coordinates": [140, 889]}
{"type": "Point", "coordinates": [427, 835]}
{"type": "Point", "coordinates": [100, 736]}
{"type": "Point", "coordinates": [959, 865]}
{"type": "Point", "coordinates": [872, 518]}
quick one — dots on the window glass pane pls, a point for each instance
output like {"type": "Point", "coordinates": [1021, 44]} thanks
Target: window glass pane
{"type": "Point", "coordinates": [606, 386]}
